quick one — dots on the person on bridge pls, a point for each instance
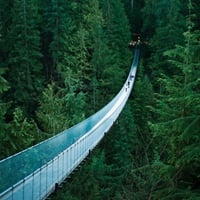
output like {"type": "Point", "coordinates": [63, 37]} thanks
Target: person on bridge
{"type": "Point", "coordinates": [132, 44]}
{"type": "Point", "coordinates": [138, 41]}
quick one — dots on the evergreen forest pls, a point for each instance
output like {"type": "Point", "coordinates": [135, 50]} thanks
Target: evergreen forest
{"type": "Point", "coordinates": [63, 60]}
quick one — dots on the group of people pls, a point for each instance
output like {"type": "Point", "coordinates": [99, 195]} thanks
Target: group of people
{"type": "Point", "coordinates": [128, 83]}
{"type": "Point", "coordinates": [133, 44]}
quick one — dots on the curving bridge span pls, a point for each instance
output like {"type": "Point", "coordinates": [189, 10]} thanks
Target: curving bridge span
{"type": "Point", "coordinates": [33, 173]}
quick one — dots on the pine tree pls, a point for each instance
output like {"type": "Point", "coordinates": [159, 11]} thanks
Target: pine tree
{"type": "Point", "coordinates": [18, 134]}
{"type": "Point", "coordinates": [166, 17]}
{"type": "Point", "coordinates": [120, 155]}
{"type": "Point", "coordinates": [133, 10]}
{"type": "Point", "coordinates": [56, 16]}
{"type": "Point", "coordinates": [101, 61]}
{"type": "Point", "coordinates": [3, 110]}
{"type": "Point", "coordinates": [177, 132]}
{"type": "Point", "coordinates": [70, 68]}
{"type": "Point", "coordinates": [140, 179]}
{"type": "Point", "coordinates": [5, 21]}
{"type": "Point", "coordinates": [59, 109]}
{"type": "Point", "coordinates": [50, 114]}
{"type": "Point", "coordinates": [24, 55]}
{"type": "Point", "coordinates": [93, 181]}
{"type": "Point", "coordinates": [92, 22]}
{"type": "Point", "coordinates": [117, 34]}
{"type": "Point", "coordinates": [143, 99]}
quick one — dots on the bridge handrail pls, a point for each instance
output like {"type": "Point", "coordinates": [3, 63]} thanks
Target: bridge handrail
{"type": "Point", "coordinates": [71, 145]}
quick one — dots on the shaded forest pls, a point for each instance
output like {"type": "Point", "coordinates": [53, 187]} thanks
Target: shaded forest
{"type": "Point", "coordinates": [61, 61]}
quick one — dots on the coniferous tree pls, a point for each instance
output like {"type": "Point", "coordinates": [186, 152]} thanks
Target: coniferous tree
{"type": "Point", "coordinates": [133, 10]}
{"type": "Point", "coordinates": [59, 109]}
{"type": "Point", "coordinates": [176, 133]}
{"type": "Point", "coordinates": [93, 181]}
{"type": "Point", "coordinates": [22, 133]}
{"type": "Point", "coordinates": [46, 39]}
{"type": "Point", "coordinates": [5, 21]}
{"type": "Point", "coordinates": [18, 134]}
{"type": "Point", "coordinates": [3, 110]}
{"type": "Point", "coordinates": [57, 26]}
{"type": "Point", "coordinates": [117, 33]}
{"type": "Point", "coordinates": [66, 48]}
{"type": "Point", "coordinates": [24, 55]}
{"type": "Point", "coordinates": [165, 17]}
{"type": "Point", "coordinates": [101, 60]}
{"type": "Point", "coordinates": [142, 176]}
{"type": "Point", "coordinates": [50, 113]}
{"type": "Point", "coordinates": [93, 22]}
{"type": "Point", "coordinates": [86, 40]}
{"type": "Point", "coordinates": [120, 155]}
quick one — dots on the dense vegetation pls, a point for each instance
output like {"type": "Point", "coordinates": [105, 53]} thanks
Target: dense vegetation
{"type": "Point", "coordinates": [61, 61]}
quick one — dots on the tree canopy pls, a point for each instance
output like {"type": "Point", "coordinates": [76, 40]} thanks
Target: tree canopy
{"type": "Point", "coordinates": [61, 61]}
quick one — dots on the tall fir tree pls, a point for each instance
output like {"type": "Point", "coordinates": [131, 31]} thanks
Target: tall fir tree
{"type": "Point", "coordinates": [50, 114]}
{"type": "Point", "coordinates": [162, 17]}
{"type": "Point", "coordinates": [3, 110]}
{"type": "Point", "coordinates": [21, 133]}
{"type": "Point", "coordinates": [134, 13]}
{"type": "Point", "coordinates": [141, 176]}
{"type": "Point", "coordinates": [5, 21]}
{"type": "Point", "coordinates": [117, 33]}
{"type": "Point", "coordinates": [177, 131]}
{"type": "Point", "coordinates": [24, 55]}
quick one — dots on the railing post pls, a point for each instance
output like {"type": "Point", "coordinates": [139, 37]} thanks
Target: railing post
{"type": "Point", "coordinates": [33, 185]}
{"type": "Point", "coordinates": [23, 188]}
{"type": "Point", "coordinates": [46, 179]}
{"type": "Point", "coordinates": [58, 169]}
{"type": "Point", "coordinates": [63, 165]}
{"type": "Point", "coordinates": [40, 184]}
{"type": "Point", "coordinates": [12, 191]}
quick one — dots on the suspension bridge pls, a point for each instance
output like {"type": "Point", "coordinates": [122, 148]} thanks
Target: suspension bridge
{"type": "Point", "coordinates": [33, 173]}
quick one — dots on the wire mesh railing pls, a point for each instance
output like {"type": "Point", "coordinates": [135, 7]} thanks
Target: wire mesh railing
{"type": "Point", "coordinates": [34, 172]}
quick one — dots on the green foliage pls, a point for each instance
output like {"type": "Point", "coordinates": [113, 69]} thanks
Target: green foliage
{"type": "Point", "coordinates": [5, 21]}
{"type": "Point", "coordinates": [59, 109]}
{"type": "Point", "coordinates": [51, 114]}
{"type": "Point", "coordinates": [24, 55]}
{"type": "Point", "coordinates": [100, 60]}
{"type": "Point", "coordinates": [116, 35]}
{"type": "Point", "coordinates": [140, 171]}
{"type": "Point", "coordinates": [93, 181]}
{"type": "Point", "coordinates": [57, 19]}
{"type": "Point", "coordinates": [117, 30]}
{"type": "Point", "coordinates": [152, 152]}
{"type": "Point", "coordinates": [3, 110]}
{"type": "Point", "coordinates": [163, 17]}
{"type": "Point", "coordinates": [3, 82]}
{"type": "Point", "coordinates": [75, 106]}
{"type": "Point", "coordinates": [177, 131]}
{"type": "Point", "coordinates": [19, 134]}
{"type": "Point", "coordinates": [101, 53]}
{"type": "Point", "coordinates": [133, 10]}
